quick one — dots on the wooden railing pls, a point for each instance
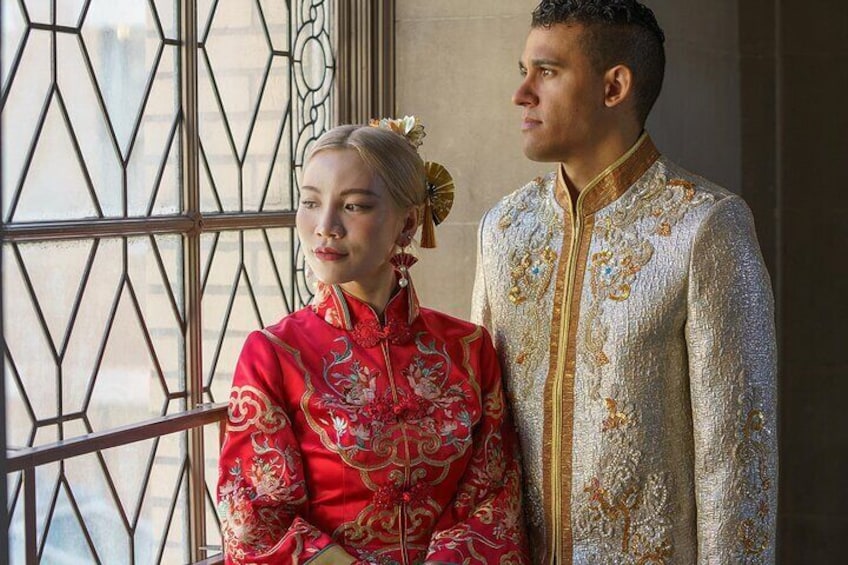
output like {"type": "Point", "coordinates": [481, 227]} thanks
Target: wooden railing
{"type": "Point", "coordinates": [26, 460]}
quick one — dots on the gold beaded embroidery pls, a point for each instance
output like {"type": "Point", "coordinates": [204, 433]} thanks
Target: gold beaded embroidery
{"type": "Point", "coordinates": [627, 519]}
{"type": "Point", "coordinates": [532, 265]}
{"type": "Point", "coordinates": [618, 504]}
{"type": "Point", "coordinates": [626, 251]}
{"type": "Point", "coordinates": [753, 485]}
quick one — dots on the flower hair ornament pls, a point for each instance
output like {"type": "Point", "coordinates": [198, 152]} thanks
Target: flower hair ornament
{"type": "Point", "coordinates": [439, 183]}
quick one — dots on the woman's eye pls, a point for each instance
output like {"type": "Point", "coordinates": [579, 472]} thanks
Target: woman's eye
{"type": "Point", "coordinates": [356, 207]}
{"type": "Point", "coordinates": [308, 204]}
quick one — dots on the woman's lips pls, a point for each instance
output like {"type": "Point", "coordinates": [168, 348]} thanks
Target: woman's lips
{"type": "Point", "coordinates": [328, 254]}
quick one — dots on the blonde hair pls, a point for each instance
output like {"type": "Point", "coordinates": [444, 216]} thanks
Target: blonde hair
{"type": "Point", "coordinates": [388, 154]}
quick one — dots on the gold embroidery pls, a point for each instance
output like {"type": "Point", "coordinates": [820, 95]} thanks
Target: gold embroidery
{"type": "Point", "coordinates": [249, 407]}
{"type": "Point", "coordinates": [620, 505]}
{"type": "Point", "coordinates": [616, 419]}
{"type": "Point", "coordinates": [626, 251]}
{"type": "Point", "coordinates": [532, 263]}
{"type": "Point", "coordinates": [625, 516]}
{"type": "Point", "coordinates": [753, 486]}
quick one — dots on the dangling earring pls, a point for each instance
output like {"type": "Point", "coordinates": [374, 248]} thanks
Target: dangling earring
{"type": "Point", "coordinates": [402, 261]}
{"type": "Point", "coordinates": [308, 274]}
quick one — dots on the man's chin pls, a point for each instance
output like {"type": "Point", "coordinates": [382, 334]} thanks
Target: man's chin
{"type": "Point", "coordinates": [539, 154]}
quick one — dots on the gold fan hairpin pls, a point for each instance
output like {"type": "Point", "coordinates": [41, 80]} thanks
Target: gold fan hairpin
{"type": "Point", "coordinates": [440, 193]}
{"type": "Point", "coordinates": [439, 183]}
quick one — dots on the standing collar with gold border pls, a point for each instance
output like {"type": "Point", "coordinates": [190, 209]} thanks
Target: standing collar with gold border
{"type": "Point", "coordinates": [613, 181]}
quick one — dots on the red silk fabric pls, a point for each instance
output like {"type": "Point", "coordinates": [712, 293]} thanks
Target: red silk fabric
{"type": "Point", "coordinates": [390, 440]}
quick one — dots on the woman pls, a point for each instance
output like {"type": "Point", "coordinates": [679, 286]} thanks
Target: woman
{"type": "Point", "coordinates": [363, 428]}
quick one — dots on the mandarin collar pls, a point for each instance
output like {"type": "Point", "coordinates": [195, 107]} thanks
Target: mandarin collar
{"type": "Point", "coordinates": [613, 181]}
{"type": "Point", "coordinates": [348, 313]}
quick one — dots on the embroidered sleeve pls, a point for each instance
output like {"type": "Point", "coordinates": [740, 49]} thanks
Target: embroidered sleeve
{"type": "Point", "coordinates": [484, 522]}
{"type": "Point", "coordinates": [480, 311]}
{"type": "Point", "coordinates": [261, 488]}
{"type": "Point", "coordinates": [731, 344]}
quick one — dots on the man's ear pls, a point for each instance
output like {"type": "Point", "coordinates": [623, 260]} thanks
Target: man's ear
{"type": "Point", "coordinates": [618, 85]}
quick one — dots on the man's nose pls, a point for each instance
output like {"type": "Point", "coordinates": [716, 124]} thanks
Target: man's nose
{"type": "Point", "coordinates": [524, 95]}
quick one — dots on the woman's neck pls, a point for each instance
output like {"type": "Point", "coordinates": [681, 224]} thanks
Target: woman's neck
{"type": "Point", "coordinates": [375, 292]}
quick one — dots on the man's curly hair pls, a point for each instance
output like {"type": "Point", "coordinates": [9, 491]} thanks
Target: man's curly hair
{"type": "Point", "coordinates": [616, 32]}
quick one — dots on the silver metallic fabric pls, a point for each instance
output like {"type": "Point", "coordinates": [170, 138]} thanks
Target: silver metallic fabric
{"type": "Point", "coordinates": [636, 332]}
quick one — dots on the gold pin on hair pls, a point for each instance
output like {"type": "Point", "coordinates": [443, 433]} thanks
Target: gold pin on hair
{"type": "Point", "coordinates": [439, 183]}
{"type": "Point", "coordinates": [408, 126]}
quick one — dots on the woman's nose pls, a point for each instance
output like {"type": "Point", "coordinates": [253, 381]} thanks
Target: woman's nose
{"type": "Point", "coordinates": [329, 225]}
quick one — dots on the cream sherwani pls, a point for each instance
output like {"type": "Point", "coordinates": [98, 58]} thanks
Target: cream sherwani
{"type": "Point", "coordinates": [637, 339]}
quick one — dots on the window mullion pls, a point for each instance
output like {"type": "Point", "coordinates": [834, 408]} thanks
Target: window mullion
{"type": "Point", "coordinates": [192, 273]}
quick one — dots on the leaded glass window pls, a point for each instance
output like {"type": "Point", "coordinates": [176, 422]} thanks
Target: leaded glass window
{"type": "Point", "coordinates": [150, 159]}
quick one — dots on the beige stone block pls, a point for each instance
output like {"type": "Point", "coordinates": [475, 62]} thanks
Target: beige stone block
{"type": "Point", "coordinates": [458, 76]}
{"type": "Point", "coordinates": [445, 9]}
{"type": "Point", "coordinates": [444, 276]}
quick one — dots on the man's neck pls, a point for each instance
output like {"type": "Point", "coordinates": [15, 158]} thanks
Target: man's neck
{"type": "Point", "coordinates": [580, 170]}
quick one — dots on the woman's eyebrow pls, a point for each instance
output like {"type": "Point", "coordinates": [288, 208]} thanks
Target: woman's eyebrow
{"type": "Point", "coordinates": [345, 192]}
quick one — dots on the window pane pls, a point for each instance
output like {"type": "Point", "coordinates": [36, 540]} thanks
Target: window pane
{"type": "Point", "coordinates": [96, 329]}
{"type": "Point", "coordinates": [12, 38]}
{"type": "Point", "coordinates": [314, 65]}
{"type": "Point", "coordinates": [39, 10]}
{"type": "Point", "coordinates": [47, 483]}
{"type": "Point", "coordinates": [128, 501]}
{"type": "Point", "coordinates": [264, 95]}
{"type": "Point", "coordinates": [25, 114]}
{"type": "Point", "coordinates": [68, 12]}
{"type": "Point", "coordinates": [168, 11]}
{"type": "Point", "coordinates": [123, 42]}
{"type": "Point", "coordinates": [247, 285]}
{"type": "Point", "coordinates": [99, 138]}
{"type": "Point", "coordinates": [153, 169]}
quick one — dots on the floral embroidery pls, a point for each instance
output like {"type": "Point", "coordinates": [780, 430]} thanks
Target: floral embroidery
{"type": "Point", "coordinates": [323, 296]}
{"type": "Point", "coordinates": [616, 418]}
{"type": "Point", "coordinates": [625, 251]}
{"type": "Point", "coordinates": [392, 423]}
{"type": "Point", "coordinates": [245, 497]}
{"type": "Point", "coordinates": [752, 483]}
{"type": "Point", "coordinates": [623, 515]}
{"type": "Point", "coordinates": [619, 504]}
{"type": "Point", "coordinates": [531, 263]}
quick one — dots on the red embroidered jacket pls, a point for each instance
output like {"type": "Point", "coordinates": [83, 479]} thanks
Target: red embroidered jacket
{"type": "Point", "coordinates": [351, 441]}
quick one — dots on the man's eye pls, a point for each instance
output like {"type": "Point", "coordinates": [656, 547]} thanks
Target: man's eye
{"type": "Point", "coordinates": [546, 73]}
{"type": "Point", "coordinates": [308, 204]}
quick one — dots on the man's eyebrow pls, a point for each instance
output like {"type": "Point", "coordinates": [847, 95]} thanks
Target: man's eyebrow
{"type": "Point", "coordinates": [545, 63]}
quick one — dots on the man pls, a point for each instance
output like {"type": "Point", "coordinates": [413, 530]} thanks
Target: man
{"type": "Point", "coordinates": [633, 315]}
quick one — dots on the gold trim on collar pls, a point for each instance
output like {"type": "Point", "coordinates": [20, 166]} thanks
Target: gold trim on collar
{"type": "Point", "coordinates": [613, 181]}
